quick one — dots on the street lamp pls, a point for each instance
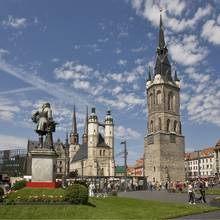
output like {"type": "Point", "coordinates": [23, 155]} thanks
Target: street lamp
{"type": "Point", "coordinates": [125, 162]}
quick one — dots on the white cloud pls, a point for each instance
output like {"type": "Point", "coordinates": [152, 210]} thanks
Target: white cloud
{"type": "Point", "coordinates": [150, 10]}
{"type": "Point", "coordinates": [103, 40]}
{"type": "Point", "coordinates": [187, 51]}
{"type": "Point", "coordinates": [122, 62]}
{"type": "Point", "coordinates": [80, 84]}
{"type": "Point", "coordinates": [122, 100]}
{"type": "Point", "coordinates": [55, 90]}
{"type": "Point", "coordinates": [211, 31]}
{"type": "Point", "coordinates": [116, 90]}
{"type": "Point", "coordinates": [139, 49]}
{"type": "Point", "coordinates": [128, 133]}
{"type": "Point", "coordinates": [7, 109]}
{"type": "Point", "coordinates": [15, 22]}
{"type": "Point", "coordinates": [12, 142]}
{"type": "Point", "coordinates": [73, 70]}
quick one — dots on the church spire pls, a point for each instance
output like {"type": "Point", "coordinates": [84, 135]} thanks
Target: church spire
{"type": "Point", "coordinates": [162, 66]}
{"type": "Point", "coordinates": [85, 134]}
{"type": "Point", "coordinates": [74, 127]}
{"type": "Point", "coordinates": [74, 137]}
{"type": "Point", "coordinates": [161, 32]}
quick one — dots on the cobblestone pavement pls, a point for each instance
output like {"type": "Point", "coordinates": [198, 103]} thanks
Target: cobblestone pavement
{"type": "Point", "coordinates": [164, 196]}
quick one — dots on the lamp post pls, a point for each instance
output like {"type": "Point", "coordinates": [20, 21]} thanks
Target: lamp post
{"type": "Point", "coordinates": [125, 162]}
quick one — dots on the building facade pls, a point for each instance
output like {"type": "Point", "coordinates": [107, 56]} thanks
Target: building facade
{"type": "Point", "coordinates": [164, 143]}
{"type": "Point", "coordinates": [95, 156]}
{"type": "Point", "coordinates": [200, 164]}
{"type": "Point", "coordinates": [13, 162]}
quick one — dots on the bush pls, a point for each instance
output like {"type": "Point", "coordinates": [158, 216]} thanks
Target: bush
{"type": "Point", "coordinates": [19, 185]}
{"type": "Point", "coordinates": [82, 182]}
{"type": "Point", "coordinates": [1, 192]}
{"type": "Point", "coordinates": [77, 194]}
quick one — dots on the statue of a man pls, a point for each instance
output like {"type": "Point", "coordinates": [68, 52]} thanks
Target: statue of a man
{"type": "Point", "coordinates": [45, 124]}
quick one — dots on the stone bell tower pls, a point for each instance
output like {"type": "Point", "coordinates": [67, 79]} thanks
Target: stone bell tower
{"type": "Point", "coordinates": [164, 143]}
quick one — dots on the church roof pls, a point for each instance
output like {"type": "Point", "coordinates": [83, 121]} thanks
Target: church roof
{"type": "Point", "coordinates": [81, 154]}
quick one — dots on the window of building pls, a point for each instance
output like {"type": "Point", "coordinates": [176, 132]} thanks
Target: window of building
{"type": "Point", "coordinates": [168, 125]}
{"type": "Point", "coordinates": [60, 162]}
{"type": "Point", "coordinates": [210, 166]}
{"type": "Point", "coordinates": [151, 126]}
{"type": "Point", "coordinates": [210, 159]}
{"type": "Point", "coordinates": [160, 124]}
{"type": "Point", "coordinates": [170, 101]}
{"type": "Point", "coordinates": [103, 152]}
{"type": "Point", "coordinates": [100, 152]}
{"type": "Point", "coordinates": [206, 160]}
{"type": "Point", "coordinates": [158, 98]}
{"type": "Point", "coordinates": [154, 169]}
{"type": "Point", "coordinates": [207, 166]}
{"type": "Point", "coordinates": [150, 100]}
{"type": "Point", "coordinates": [175, 126]}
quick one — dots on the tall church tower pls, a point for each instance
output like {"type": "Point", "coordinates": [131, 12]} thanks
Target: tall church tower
{"type": "Point", "coordinates": [109, 140]}
{"type": "Point", "coordinates": [164, 145]}
{"type": "Point", "coordinates": [93, 134]}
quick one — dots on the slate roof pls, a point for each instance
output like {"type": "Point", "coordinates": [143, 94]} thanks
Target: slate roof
{"type": "Point", "coordinates": [81, 154]}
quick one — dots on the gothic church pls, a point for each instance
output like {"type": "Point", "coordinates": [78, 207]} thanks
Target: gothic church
{"type": "Point", "coordinates": [95, 156]}
{"type": "Point", "coordinates": [164, 145]}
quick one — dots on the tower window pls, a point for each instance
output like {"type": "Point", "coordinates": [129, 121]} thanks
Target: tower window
{"type": "Point", "coordinates": [158, 98]}
{"type": "Point", "coordinates": [160, 124]}
{"type": "Point", "coordinates": [151, 101]}
{"type": "Point", "coordinates": [170, 101]}
{"type": "Point", "coordinates": [103, 152]}
{"type": "Point", "coordinates": [154, 169]}
{"type": "Point", "coordinates": [151, 126]}
{"type": "Point", "coordinates": [100, 153]}
{"type": "Point", "coordinates": [168, 125]}
{"type": "Point", "coordinates": [175, 126]}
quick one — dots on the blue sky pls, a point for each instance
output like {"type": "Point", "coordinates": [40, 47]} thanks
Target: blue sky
{"type": "Point", "coordinates": [97, 53]}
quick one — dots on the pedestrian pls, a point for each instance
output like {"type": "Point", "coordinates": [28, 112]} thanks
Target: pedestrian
{"type": "Point", "coordinates": [202, 190]}
{"type": "Point", "coordinates": [191, 193]}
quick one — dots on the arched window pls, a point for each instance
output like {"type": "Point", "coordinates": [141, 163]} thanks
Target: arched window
{"type": "Point", "coordinates": [103, 152]}
{"type": "Point", "coordinates": [154, 169]}
{"type": "Point", "coordinates": [175, 126]}
{"type": "Point", "coordinates": [174, 103]}
{"type": "Point", "coordinates": [168, 125]}
{"type": "Point", "coordinates": [151, 126]}
{"type": "Point", "coordinates": [158, 98]}
{"type": "Point", "coordinates": [180, 128]}
{"type": "Point", "coordinates": [160, 124]}
{"type": "Point", "coordinates": [151, 101]}
{"type": "Point", "coordinates": [100, 153]}
{"type": "Point", "coordinates": [170, 101]}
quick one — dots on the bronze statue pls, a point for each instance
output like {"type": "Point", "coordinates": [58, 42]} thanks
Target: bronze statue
{"type": "Point", "coordinates": [45, 125]}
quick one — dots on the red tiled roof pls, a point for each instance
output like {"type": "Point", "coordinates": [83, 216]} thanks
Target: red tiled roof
{"type": "Point", "coordinates": [200, 153]}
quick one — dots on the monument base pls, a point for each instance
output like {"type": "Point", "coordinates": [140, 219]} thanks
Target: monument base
{"type": "Point", "coordinates": [43, 167]}
{"type": "Point", "coordinates": [41, 185]}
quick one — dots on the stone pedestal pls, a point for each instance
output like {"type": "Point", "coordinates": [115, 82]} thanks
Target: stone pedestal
{"type": "Point", "coordinates": [43, 168]}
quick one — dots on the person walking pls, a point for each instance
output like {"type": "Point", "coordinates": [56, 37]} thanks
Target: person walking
{"type": "Point", "coordinates": [191, 193]}
{"type": "Point", "coordinates": [202, 190]}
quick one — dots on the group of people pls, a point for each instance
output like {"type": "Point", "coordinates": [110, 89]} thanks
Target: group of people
{"type": "Point", "coordinates": [193, 187]}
